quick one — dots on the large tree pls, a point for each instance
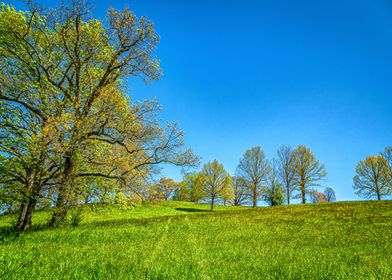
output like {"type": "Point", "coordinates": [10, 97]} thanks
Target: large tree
{"type": "Point", "coordinates": [308, 170]}
{"type": "Point", "coordinates": [216, 182]}
{"type": "Point", "coordinates": [286, 170]}
{"type": "Point", "coordinates": [253, 168]}
{"type": "Point", "coordinates": [371, 178]}
{"type": "Point", "coordinates": [65, 114]}
{"type": "Point", "coordinates": [28, 112]}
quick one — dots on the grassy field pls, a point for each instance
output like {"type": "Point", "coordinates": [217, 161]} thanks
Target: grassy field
{"type": "Point", "coordinates": [184, 241]}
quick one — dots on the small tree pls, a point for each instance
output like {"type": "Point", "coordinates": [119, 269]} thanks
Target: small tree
{"type": "Point", "coordinates": [371, 178]}
{"type": "Point", "coordinates": [329, 194]}
{"type": "Point", "coordinates": [189, 189]}
{"type": "Point", "coordinates": [273, 193]}
{"type": "Point", "coordinates": [253, 169]}
{"type": "Point", "coordinates": [227, 193]}
{"type": "Point", "coordinates": [195, 190]}
{"type": "Point", "coordinates": [215, 182]}
{"type": "Point", "coordinates": [240, 189]}
{"type": "Point", "coordinates": [308, 170]}
{"type": "Point", "coordinates": [387, 154]}
{"type": "Point", "coordinates": [316, 196]}
{"type": "Point", "coordinates": [182, 193]}
{"type": "Point", "coordinates": [166, 188]}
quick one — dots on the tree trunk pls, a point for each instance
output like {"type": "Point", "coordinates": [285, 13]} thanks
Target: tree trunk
{"type": "Point", "coordinates": [22, 216]}
{"type": "Point", "coordinates": [29, 214]}
{"type": "Point", "coordinates": [288, 194]}
{"type": "Point", "coordinates": [303, 193]}
{"type": "Point", "coordinates": [255, 198]}
{"type": "Point", "coordinates": [378, 195]}
{"type": "Point", "coordinates": [212, 202]}
{"type": "Point", "coordinates": [27, 207]}
{"type": "Point", "coordinates": [24, 222]}
{"type": "Point", "coordinates": [61, 208]}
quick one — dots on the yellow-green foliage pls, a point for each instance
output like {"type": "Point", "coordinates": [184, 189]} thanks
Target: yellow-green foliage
{"type": "Point", "coordinates": [186, 241]}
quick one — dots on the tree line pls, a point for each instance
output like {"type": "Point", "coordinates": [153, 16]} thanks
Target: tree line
{"type": "Point", "coordinates": [292, 174]}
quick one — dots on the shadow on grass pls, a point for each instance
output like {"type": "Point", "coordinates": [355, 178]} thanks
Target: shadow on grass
{"type": "Point", "coordinates": [7, 233]}
{"type": "Point", "coordinates": [191, 210]}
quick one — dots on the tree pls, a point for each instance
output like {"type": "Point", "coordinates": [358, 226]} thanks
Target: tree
{"type": "Point", "coordinates": [189, 189]}
{"type": "Point", "coordinates": [387, 154]}
{"type": "Point", "coordinates": [286, 170]}
{"type": "Point", "coordinates": [64, 107]}
{"type": "Point", "coordinates": [329, 194]}
{"type": "Point", "coordinates": [273, 192]}
{"type": "Point", "coordinates": [253, 169]}
{"type": "Point", "coordinates": [182, 193]}
{"type": "Point", "coordinates": [371, 178]}
{"type": "Point", "coordinates": [165, 188]}
{"type": "Point", "coordinates": [240, 188]}
{"type": "Point", "coordinates": [316, 196]}
{"type": "Point", "coordinates": [215, 182]}
{"type": "Point", "coordinates": [308, 170]}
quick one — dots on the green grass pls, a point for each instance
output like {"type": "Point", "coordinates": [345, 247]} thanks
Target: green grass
{"type": "Point", "coordinates": [324, 241]}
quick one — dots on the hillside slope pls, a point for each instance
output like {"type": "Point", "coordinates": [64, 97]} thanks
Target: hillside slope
{"type": "Point", "coordinates": [183, 241]}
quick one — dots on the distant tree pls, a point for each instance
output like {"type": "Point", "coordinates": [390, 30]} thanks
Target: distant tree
{"type": "Point", "coordinates": [195, 190]}
{"type": "Point", "coordinates": [316, 196]}
{"type": "Point", "coordinates": [329, 194]}
{"type": "Point", "coordinates": [286, 170]}
{"type": "Point", "coordinates": [181, 193]}
{"type": "Point", "coordinates": [308, 170]}
{"type": "Point", "coordinates": [371, 177]}
{"type": "Point", "coordinates": [253, 169]}
{"type": "Point", "coordinates": [240, 188]}
{"type": "Point", "coordinates": [387, 154]}
{"type": "Point", "coordinates": [189, 189]}
{"type": "Point", "coordinates": [165, 188]}
{"type": "Point", "coordinates": [215, 182]}
{"type": "Point", "coordinates": [273, 193]}
{"type": "Point", "coordinates": [227, 194]}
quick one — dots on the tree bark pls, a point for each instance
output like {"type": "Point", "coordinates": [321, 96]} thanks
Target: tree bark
{"type": "Point", "coordinates": [255, 198]}
{"type": "Point", "coordinates": [22, 216]}
{"type": "Point", "coordinates": [24, 222]}
{"type": "Point", "coordinates": [303, 193]}
{"type": "Point", "coordinates": [212, 202]}
{"type": "Point", "coordinates": [61, 208]}
{"type": "Point", "coordinates": [27, 207]}
{"type": "Point", "coordinates": [288, 194]}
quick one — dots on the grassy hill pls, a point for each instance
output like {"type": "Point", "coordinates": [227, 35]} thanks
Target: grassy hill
{"type": "Point", "coordinates": [184, 241]}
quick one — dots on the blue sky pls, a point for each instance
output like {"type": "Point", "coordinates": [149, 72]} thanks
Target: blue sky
{"type": "Point", "coordinates": [244, 73]}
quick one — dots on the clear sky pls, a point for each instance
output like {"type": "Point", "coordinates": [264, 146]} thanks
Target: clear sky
{"type": "Point", "coordinates": [239, 74]}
